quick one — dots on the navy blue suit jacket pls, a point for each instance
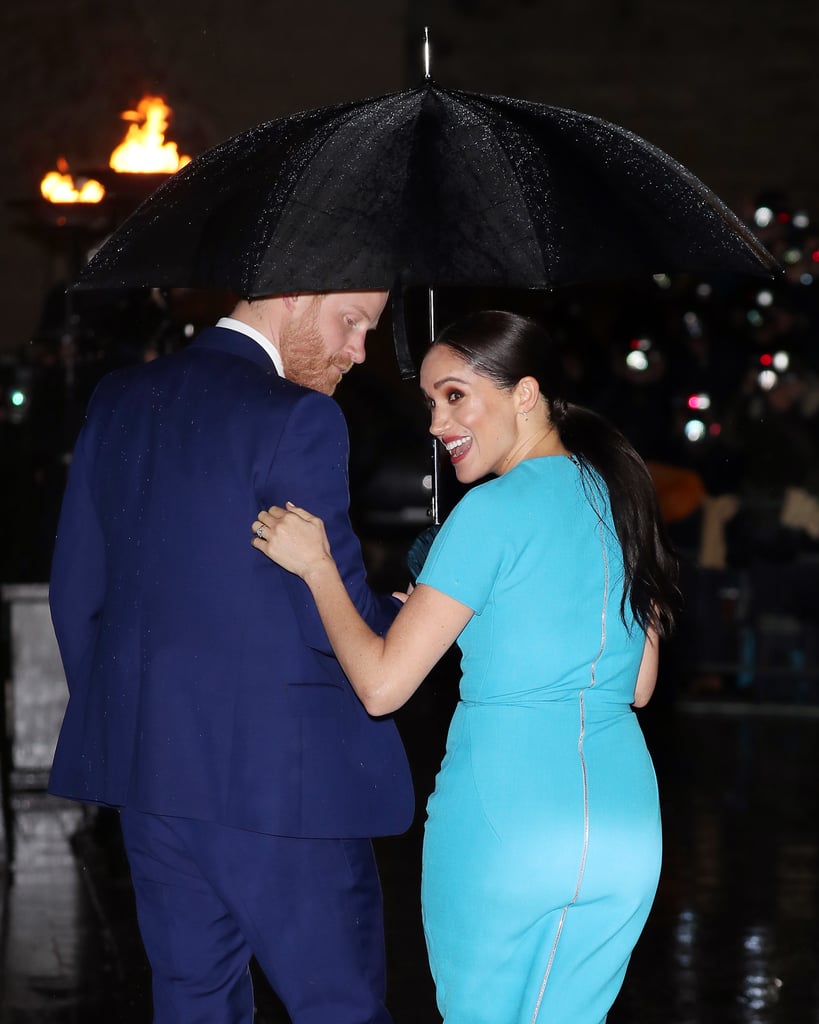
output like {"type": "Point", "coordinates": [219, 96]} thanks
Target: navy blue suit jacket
{"type": "Point", "coordinates": [201, 682]}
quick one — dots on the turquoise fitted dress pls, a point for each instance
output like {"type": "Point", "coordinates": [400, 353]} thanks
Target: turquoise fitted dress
{"type": "Point", "coordinates": [542, 845]}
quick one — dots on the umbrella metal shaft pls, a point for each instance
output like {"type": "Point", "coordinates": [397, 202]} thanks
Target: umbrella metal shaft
{"type": "Point", "coordinates": [435, 511]}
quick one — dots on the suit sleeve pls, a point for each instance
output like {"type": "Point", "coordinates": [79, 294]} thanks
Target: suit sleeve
{"type": "Point", "coordinates": [311, 470]}
{"type": "Point", "coordinates": [77, 580]}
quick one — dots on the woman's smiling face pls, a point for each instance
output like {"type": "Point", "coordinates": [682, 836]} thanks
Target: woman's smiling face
{"type": "Point", "coordinates": [471, 416]}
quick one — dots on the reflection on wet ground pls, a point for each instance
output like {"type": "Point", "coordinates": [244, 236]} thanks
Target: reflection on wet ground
{"type": "Point", "coordinates": [733, 933]}
{"type": "Point", "coordinates": [732, 938]}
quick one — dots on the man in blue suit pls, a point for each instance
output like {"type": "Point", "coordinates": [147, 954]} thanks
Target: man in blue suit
{"type": "Point", "coordinates": [204, 699]}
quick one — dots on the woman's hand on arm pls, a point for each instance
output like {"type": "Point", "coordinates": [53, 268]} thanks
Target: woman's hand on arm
{"type": "Point", "coordinates": [293, 539]}
{"type": "Point", "coordinates": [384, 671]}
{"type": "Point", "coordinates": [647, 674]}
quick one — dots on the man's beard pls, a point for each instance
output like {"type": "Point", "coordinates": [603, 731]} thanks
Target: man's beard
{"type": "Point", "coordinates": [304, 354]}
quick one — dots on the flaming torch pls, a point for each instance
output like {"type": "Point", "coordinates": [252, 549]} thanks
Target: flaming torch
{"type": "Point", "coordinates": [142, 151]}
{"type": "Point", "coordinates": [60, 187]}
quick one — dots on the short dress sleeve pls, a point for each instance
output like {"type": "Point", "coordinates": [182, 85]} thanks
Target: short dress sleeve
{"type": "Point", "coordinates": [466, 556]}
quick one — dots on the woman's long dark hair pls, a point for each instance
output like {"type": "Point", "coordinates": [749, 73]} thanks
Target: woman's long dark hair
{"type": "Point", "coordinates": [505, 347]}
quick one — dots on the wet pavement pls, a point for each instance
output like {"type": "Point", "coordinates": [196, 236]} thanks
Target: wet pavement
{"type": "Point", "coordinates": [732, 939]}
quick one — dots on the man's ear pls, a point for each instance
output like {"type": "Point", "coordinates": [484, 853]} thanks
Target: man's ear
{"type": "Point", "coordinates": [290, 302]}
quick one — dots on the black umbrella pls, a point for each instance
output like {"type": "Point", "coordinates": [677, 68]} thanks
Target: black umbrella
{"type": "Point", "coordinates": [432, 187]}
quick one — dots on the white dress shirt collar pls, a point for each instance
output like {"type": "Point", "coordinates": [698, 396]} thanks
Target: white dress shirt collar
{"type": "Point", "coordinates": [232, 324]}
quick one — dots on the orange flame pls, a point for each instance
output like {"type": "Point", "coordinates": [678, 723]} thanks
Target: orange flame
{"type": "Point", "coordinates": [60, 187]}
{"type": "Point", "coordinates": [144, 149]}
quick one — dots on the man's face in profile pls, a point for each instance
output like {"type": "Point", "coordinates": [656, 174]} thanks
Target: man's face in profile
{"type": "Point", "coordinates": [326, 336]}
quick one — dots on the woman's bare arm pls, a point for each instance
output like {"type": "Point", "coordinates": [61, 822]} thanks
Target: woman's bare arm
{"type": "Point", "coordinates": [647, 674]}
{"type": "Point", "coordinates": [384, 671]}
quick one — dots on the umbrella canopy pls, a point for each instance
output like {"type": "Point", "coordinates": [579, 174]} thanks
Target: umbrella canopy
{"type": "Point", "coordinates": [431, 187]}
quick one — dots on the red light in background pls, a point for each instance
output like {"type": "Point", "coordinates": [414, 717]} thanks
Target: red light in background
{"type": "Point", "coordinates": [766, 359]}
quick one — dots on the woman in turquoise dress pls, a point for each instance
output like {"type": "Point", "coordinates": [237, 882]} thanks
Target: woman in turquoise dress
{"type": "Point", "coordinates": [542, 845]}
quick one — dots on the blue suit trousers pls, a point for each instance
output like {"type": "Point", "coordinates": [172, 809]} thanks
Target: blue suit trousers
{"type": "Point", "coordinates": [209, 896]}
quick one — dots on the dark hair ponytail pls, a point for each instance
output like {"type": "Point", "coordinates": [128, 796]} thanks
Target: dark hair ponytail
{"type": "Point", "coordinates": [650, 565]}
{"type": "Point", "coordinates": [505, 347]}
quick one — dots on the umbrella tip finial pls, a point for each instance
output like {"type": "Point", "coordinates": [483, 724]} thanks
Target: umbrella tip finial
{"type": "Point", "coordinates": [426, 52]}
